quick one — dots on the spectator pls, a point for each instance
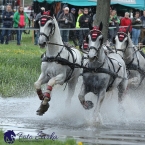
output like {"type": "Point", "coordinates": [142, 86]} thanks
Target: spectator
{"type": "Point", "coordinates": [73, 11]}
{"type": "Point", "coordinates": [7, 23]}
{"type": "Point", "coordinates": [143, 25]}
{"type": "Point", "coordinates": [73, 32]}
{"type": "Point", "coordinates": [113, 22]}
{"type": "Point", "coordinates": [80, 13]}
{"type": "Point", "coordinates": [37, 32]}
{"type": "Point", "coordinates": [78, 33]}
{"type": "Point", "coordinates": [65, 21]}
{"type": "Point", "coordinates": [126, 21]}
{"type": "Point", "coordinates": [136, 22]}
{"type": "Point", "coordinates": [85, 22]}
{"type": "Point", "coordinates": [20, 20]}
{"type": "Point", "coordinates": [60, 12]}
{"type": "Point", "coordinates": [143, 19]}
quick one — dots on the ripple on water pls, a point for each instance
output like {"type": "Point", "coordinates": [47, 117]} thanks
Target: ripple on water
{"type": "Point", "coordinates": [121, 123]}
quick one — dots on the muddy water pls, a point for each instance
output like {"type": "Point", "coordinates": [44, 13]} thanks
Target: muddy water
{"type": "Point", "coordinates": [121, 123]}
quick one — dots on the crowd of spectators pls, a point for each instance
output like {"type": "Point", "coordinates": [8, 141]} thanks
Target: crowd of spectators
{"type": "Point", "coordinates": [10, 19]}
{"type": "Point", "coordinates": [84, 20]}
{"type": "Point", "coordinates": [70, 18]}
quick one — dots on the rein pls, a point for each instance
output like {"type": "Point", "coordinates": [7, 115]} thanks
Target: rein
{"type": "Point", "coordinates": [63, 61]}
{"type": "Point", "coordinates": [131, 65]}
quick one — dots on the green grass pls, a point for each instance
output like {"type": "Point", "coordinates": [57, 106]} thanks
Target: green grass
{"type": "Point", "coordinates": [40, 142]}
{"type": "Point", "coordinates": [19, 67]}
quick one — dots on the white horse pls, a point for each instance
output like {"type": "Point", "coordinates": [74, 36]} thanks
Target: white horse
{"type": "Point", "coordinates": [135, 62]}
{"type": "Point", "coordinates": [102, 74]}
{"type": "Point", "coordinates": [57, 63]}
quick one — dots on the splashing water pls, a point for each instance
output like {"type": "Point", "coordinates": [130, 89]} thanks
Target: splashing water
{"type": "Point", "coordinates": [117, 119]}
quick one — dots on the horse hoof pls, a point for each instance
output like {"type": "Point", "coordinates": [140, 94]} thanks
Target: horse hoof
{"type": "Point", "coordinates": [42, 109]}
{"type": "Point", "coordinates": [88, 105]}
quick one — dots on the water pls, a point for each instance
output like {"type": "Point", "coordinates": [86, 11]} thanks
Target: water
{"type": "Point", "coordinates": [121, 123]}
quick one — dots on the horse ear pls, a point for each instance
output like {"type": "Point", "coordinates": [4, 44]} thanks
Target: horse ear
{"type": "Point", "coordinates": [128, 28]}
{"type": "Point", "coordinates": [102, 41]}
{"type": "Point", "coordinates": [113, 40]}
{"type": "Point", "coordinates": [117, 28]}
{"type": "Point", "coordinates": [90, 26]}
{"type": "Point", "coordinates": [101, 26]}
{"type": "Point", "coordinates": [87, 39]}
{"type": "Point", "coordinates": [52, 11]}
{"type": "Point", "coordinates": [51, 14]}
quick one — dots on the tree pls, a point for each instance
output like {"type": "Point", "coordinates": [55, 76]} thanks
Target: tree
{"type": "Point", "coordinates": [102, 15]}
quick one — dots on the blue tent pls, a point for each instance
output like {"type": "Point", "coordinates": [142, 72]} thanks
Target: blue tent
{"type": "Point", "coordinates": [139, 4]}
{"type": "Point", "coordinates": [72, 2]}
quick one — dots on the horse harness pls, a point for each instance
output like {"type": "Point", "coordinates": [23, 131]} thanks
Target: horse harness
{"type": "Point", "coordinates": [58, 59]}
{"type": "Point", "coordinates": [73, 64]}
{"type": "Point", "coordinates": [130, 65]}
{"type": "Point", "coordinates": [100, 69]}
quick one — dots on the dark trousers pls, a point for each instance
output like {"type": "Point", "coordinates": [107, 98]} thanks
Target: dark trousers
{"type": "Point", "coordinates": [19, 34]}
{"type": "Point", "coordinates": [6, 33]}
{"type": "Point", "coordinates": [82, 36]}
{"type": "Point", "coordinates": [73, 37]}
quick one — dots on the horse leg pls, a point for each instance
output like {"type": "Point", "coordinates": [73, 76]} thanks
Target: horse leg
{"type": "Point", "coordinates": [71, 89]}
{"type": "Point", "coordinates": [121, 89]}
{"type": "Point", "coordinates": [44, 104]}
{"type": "Point", "coordinates": [41, 80]}
{"type": "Point", "coordinates": [86, 104]}
{"type": "Point", "coordinates": [134, 80]}
{"type": "Point", "coordinates": [100, 98]}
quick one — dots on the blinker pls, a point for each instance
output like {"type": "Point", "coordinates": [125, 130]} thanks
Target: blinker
{"type": "Point", "coordinates": [94, 36]}
{"type": "Point", "coordinates": [85, 45]}
{"type": "Point", "coordinates": [121, 37]}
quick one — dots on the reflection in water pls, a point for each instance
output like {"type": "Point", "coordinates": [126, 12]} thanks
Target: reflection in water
{"type": "Point", "coordinates": [121, 123]}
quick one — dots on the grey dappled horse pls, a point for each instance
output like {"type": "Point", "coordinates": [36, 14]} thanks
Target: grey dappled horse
{"type": "Point", "coordinates": [55, 67]}
{"type": "Point", "coordinates": [98, 78]}
{"type": "Point", "coordinates": [135, 62]}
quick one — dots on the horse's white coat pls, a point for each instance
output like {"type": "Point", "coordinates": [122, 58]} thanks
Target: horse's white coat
{"type": "Point", "coordinates": [53, 73]}
{"type": "Point", "coordinates": [97, 57]}
{"type": "Point", "coordinates": [130, 53]}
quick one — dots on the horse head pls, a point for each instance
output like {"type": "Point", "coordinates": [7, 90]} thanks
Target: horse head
{"type": "Point", "coordinates": [94, 40]}
{"type": "Point", "coordinates": [95, 35]}
{"type": "Point", "coordinates": [47, 29]}
{"type": "Point", "coordinates": [122, 40]}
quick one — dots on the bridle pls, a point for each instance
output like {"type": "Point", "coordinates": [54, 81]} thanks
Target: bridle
{"type": "Point", "coordinates": [94, 34]}
{"type": "Point", "coordinates": [43, 21]}
{"type": "Point", "coordinates": [121, 37]}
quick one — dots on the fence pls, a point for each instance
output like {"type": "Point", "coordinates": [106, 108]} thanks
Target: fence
{"type": "Point", "coordinates": [13, 37]}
